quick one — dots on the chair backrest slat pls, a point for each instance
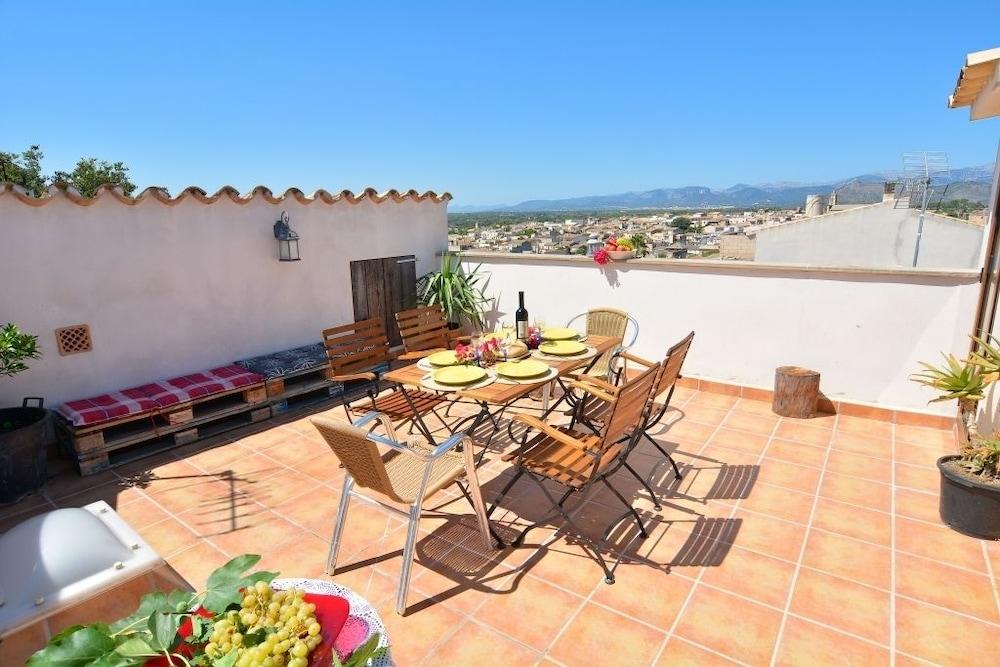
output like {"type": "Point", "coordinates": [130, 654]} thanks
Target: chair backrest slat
{"type": "Point", "coordinates": [626, 414]}
{"type": "Point", "coordinates": [670, 369]}
{"type": "Point", "coordinates": [357, 346]}
{"type": "Point", "coordinates": [423, 328]}
{"type": "Point", "coordinates": [359, 455]}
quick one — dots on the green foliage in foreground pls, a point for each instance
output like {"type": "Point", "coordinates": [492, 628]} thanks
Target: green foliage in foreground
{"type": "Point", "coordinates": [152, 631]}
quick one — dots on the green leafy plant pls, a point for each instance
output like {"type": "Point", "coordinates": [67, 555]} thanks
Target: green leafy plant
{"type": "Point", "coordinates": [458, 291]}
{"type": "Point", "coordinates": [639, 244]}
{"type": "Point", "coordinates": [982, 456]}
{"type": "Point", "coordinates": [15, 348]}
{"type": "Point", "coordinates": [955, 380]}
{"type": "Point", "coordinates": [154, 629]}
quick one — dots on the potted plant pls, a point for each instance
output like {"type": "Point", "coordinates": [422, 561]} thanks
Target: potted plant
{"type": "Point", "coordinates": [23, 429]}
{"type": "Point", "coordinates": [457, 290]}
{"type": "Point", "coordinates": [970, 480]}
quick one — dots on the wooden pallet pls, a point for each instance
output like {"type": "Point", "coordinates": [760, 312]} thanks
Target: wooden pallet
{"type": "Point", "coordinates": [298, 387]}
{"type": "Point", "coordinates": [181, 423]}
{"type": "Point", "coordinates": [100, 461]}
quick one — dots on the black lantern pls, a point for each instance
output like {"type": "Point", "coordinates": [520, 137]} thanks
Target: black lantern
{"type": "Point", "coordinates": [288, 240]}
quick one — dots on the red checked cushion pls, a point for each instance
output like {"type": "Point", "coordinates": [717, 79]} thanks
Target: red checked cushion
{"type": "Point", "coordinates": [189, 387]}
{"type": "Point", "coordinates": [107, 407]}
{"type": "Point", "coordinates": [234, 376]}
{"type": "Point", "coordinates": [165, 394]}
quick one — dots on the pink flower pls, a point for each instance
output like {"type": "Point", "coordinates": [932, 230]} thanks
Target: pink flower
{"type": "Point", "coordinates": [601, 256]}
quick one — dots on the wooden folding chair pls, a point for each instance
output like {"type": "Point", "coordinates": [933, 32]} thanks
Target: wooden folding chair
{"type": "Point", "coordinates": [425, 330]}
{"type": "Point", "coordinates": [591, 412]}
{"type": "Point", "coordinates": [359, 354]}
{"type": "Point", "coordinates": [579, 461]}
{"type": "Point", "coordinates": [407, 474]}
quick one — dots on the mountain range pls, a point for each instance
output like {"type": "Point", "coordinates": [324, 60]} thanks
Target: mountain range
{"type": "Point", "coordinates": [971, 183]}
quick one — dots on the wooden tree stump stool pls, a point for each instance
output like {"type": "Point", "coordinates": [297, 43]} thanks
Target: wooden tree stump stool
{"type": "Point", "coordinates": [796, 392]}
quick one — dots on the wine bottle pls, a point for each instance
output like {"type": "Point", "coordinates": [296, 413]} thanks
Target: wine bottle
{"type": "Point", "coordinates": [521, 318]}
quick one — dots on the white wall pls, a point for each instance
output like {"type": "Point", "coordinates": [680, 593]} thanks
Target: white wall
{"type": "Point", "coordinates": [863, 330]}
{"type": "Point", "coordinates": [174, 289]}
{"type": "Point", "coordinates": [872, 236]}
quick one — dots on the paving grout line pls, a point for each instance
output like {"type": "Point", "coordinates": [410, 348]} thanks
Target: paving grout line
{"type": "Point", "coordinates": [892, 553]}
{"type": "Point", "coordinates": [802, 553]}
{"type": "Point", "coordinates": [687, 600]}
{"type": "Point", "coordinates": [588, 599]}
{"type": "Point", "coordinates": [993, 575]}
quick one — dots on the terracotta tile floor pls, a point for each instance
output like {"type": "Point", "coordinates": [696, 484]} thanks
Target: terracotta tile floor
{"type": "Point", "coordinates": [787, 542]}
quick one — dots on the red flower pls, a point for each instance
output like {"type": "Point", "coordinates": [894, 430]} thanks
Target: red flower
{"type": "Point", "coordinates": [601, 256]}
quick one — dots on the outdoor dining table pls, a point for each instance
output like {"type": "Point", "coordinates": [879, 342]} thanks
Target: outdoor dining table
{"type": "Point", "coordinates": [498, 394]}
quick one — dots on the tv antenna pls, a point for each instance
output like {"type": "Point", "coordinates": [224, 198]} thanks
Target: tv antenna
{"type": "Point", "coordinates": [924, 172]}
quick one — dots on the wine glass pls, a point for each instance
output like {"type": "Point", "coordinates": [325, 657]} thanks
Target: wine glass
{"type": "Point", "coordinates": [506, 338]}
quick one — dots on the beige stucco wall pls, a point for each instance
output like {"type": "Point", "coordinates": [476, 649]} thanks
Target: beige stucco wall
{"type": "Point", "coordinates": [864, 331]}
{"type": "Point", "coordinates": [173, 289]}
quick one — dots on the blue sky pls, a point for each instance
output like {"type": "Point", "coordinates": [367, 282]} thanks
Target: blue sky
{"type": "Point", "coordinates": [495, 102]}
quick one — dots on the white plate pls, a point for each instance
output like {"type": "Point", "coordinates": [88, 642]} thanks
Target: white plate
{"type": "Point", "coordinates": [360, 608]}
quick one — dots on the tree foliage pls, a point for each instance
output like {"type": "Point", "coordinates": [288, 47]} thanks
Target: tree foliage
{"type": "Point", "coordinates": [89, 174]}
{"type": "Point", "coordinates": [958, 208]}
{"type": "Point", "coordinates": [24, 169]}
{"type": "Point", "coordinates": [682, 223]}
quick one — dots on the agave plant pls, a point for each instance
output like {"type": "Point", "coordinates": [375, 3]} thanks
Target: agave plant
{"type": "Point", "coordinates": [457, 290]}
{"type": "Point", "coordinates": [982, 456]}
{"type": "Point", "coordinates": [956, 380]}
{"type": "Point", "coordinates": [986, 357]}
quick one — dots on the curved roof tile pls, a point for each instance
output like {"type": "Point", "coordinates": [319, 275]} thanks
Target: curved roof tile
{"type": "Point", "coordinates": [57, 190]}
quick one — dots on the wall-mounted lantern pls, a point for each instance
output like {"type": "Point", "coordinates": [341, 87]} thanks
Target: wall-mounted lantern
{"type": "Point", "coordinates": [288, 240]}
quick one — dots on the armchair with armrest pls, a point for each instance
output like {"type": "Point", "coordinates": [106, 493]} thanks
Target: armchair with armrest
{"type": "Point", "coordinates": [407, 474]}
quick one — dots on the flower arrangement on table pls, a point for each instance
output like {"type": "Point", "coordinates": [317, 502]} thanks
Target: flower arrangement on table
{"type": "Point", "coordinates": [534, 338]}
{"type": "Point", "coordinates": [485, 353]}
{"type": "Point", "coordinates": [238, 621]}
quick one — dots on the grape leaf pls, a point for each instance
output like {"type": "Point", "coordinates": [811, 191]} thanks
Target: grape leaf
{"type": "Point", "coordinates": [150, 603]}
{"type": "Point", "coordinates": [254, 638]}
{"type": "Point", "coordinates": [228, 660]}
{"type": "Point", "coordinates": [224, 585]}
{"type": "Point", "coordinates": [135, 646]}
{"type": "Point", "coordinates": [76, 649]}
{"type": "Point", "coordinates": [164, 627]}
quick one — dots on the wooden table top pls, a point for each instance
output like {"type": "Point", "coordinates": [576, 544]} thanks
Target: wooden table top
{"type": "Point", "coordinates": [501, 393]}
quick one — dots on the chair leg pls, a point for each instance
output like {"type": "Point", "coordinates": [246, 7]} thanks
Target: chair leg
{"type": "Point", "coordinates": [519, 540]}
{"type": "Point", "coordinates": [645, 484]}
{"type": "Point", "coordinates": [411, 541]}
{"type": "Point", "coordinates": [635, 514]}
{"type": "Point", "coordinates": [338, 526]}
{"type": "Point", "coordinates": [665, 453]}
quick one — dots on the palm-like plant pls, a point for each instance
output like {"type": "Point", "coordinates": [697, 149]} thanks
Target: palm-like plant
{"type": "Point", "coordinates": [955, 380]}
{"type": "Point", "coordinates": [458, 291]}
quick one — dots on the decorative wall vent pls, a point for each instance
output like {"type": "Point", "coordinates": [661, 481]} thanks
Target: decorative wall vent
{"type": "Point", "coordinates": [74, 339]}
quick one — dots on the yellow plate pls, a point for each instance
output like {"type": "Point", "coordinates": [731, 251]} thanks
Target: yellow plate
{"type": "Point", "coordinates": [445, 358]}
{"type": "Point", "coordinates": [521, 370]}
{"type": "Point", "coordinates": [459, 375]}
{"type": "Point", "coordinates": [560, 334]}
{"type": "Point", "coordinates": [562, 348]}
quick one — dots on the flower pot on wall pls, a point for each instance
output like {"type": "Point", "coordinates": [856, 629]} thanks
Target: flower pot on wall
{"type": "Point", "coordinates": [967, 505]}
{"type": "Point", "coordinates": [23, 452]}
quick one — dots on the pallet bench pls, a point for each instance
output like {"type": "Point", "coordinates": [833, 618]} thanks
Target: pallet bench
{"type": "Point", "coordinates": [107, 430]}
{"type": "Point", "coordinates": [296, 377]}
